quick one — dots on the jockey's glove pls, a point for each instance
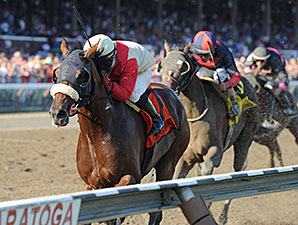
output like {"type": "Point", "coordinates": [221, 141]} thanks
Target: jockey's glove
{"type": "Point", "coordinates": [224, 86]}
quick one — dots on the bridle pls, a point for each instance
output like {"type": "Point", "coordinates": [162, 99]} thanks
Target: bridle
{"type": "Point", "coordinates": [184, 78]}
{"type": "Point", "coordinates": [80, 93]}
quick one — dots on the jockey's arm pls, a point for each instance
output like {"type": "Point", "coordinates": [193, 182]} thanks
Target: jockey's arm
{"type": "Point", "coordinates": [123, 89]}
{"type": "Point", "coordinates": [278, 71]}
{"type": "Point", "coordinates": [231, 68]}
{"type": "Point", "coordinates": [235, 79]}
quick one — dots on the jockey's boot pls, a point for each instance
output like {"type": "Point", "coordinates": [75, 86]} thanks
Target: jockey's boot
{"type": "Point", "coordinates": [157, 122]}
{"type": "Point", "coordinates": [235, 106]}
{"type": "Point", "coordinates": [285, 103]}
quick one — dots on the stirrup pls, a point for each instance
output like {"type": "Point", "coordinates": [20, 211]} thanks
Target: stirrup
{"type": "Point", "coordinates": [235, 111]}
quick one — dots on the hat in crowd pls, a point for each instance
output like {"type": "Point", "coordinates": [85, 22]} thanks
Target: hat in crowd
{"type": "Point", "coordinates": [48, 60]}
{"type": "Point", "coordinates": [17, 54]}
{"type": "Point", "coordinates": [260, 53]}
{"type": "Point", "coordinates": [106, 46]}
{"type": "Point", "coordinates": [201, 40]}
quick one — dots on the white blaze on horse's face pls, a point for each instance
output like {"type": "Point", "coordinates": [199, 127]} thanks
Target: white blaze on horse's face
{"type": "Point", "coordinates": [170, 75]}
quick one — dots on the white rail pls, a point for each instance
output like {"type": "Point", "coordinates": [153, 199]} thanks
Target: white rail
{"type": "Point", "coordinates": [105, 204]}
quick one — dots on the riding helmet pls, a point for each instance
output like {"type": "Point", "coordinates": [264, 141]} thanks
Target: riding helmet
{"type": "Point", "coordinates": [106, 47]}
{"type": "Point", "coordinates": [201, 40]}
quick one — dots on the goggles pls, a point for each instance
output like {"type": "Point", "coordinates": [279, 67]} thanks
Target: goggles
{"type": "Point", "coordinates": [204, 57]}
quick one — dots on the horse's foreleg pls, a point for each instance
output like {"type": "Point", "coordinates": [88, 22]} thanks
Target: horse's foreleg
{"type": "Point", "coordinates": [223, 218]}
{"type": "Point", "coordinates": [126, 180]}
{"type": "Point", "coordinates": [293, 127]}
{"type": "Point", "coordinates": [185, 164]}
{"type": "Point", "coordinates": [241, 148]}
{"type": "Point", "coordinates": [87, 187]}
{"type": "Point", "coordinates": [274, 150]}
{"type": "Point", "coordinates": [211, 159]}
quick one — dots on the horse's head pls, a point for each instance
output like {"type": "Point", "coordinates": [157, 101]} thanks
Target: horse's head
{"type": "Point", "coordinates": [177, 68]}
{"type": "Point", "coordinates": [73, 83]}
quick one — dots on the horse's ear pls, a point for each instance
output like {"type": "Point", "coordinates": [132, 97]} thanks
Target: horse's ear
{"type": "Point", "coordinates": [166, 46]}
{"type": "Point", "coordinates": [64, 49]}
{"type": "Point", "coordinates": [90, 52]}
{"type": "Point", "coordinates": [187, 47]}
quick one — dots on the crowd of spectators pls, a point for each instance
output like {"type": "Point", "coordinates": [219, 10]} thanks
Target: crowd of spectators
{"type": "Point", "coordinates": [138, 22]}
{"type": "Point", "coordinates": [34, 69]}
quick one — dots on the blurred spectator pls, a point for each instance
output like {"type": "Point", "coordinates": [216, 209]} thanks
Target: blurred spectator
{"type": "Point", "coordinates": [292, 69]}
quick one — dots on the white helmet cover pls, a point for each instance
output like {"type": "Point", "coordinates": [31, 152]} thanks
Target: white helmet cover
{"type": "Point", "coordinates": [106, 46]}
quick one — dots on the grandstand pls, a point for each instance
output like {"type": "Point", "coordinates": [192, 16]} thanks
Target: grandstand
{"type": "Point", "coordinates": [37, 27]}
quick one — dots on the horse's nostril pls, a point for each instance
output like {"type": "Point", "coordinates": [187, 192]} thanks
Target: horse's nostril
{"type": "Point", "coordinates": [61, 114]}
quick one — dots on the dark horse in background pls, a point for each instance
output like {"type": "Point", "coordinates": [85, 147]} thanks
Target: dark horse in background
{"type": "Point", "coordinates": [273, 116]}
{"type": "Point", "coordinates": [208, 116]}
{"type": "Point", "coordinates": [111, 144]}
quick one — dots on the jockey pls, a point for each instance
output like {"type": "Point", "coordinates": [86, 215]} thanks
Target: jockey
{"type": "Point", "coordinates": [128, 65]}
{"type": "Point", "coordinates": [217, 62]}
{"type": "Point", "coordinates": [268, 66]}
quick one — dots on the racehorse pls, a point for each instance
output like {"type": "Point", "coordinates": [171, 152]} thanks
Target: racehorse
{"type": "Point", "coordinates": [111, 144]}
{"type": "Point", "coordinates": [273, 116]}
{"type": "Point", "coordinates": [208, 117]}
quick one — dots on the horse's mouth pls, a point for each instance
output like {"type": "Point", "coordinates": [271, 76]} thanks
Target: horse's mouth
{"type": "Point", "coordinates": [60, 118]}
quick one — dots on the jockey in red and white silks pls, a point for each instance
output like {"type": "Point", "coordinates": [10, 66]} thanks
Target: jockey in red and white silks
{"type": "Point", "coordinates": [129, 72]}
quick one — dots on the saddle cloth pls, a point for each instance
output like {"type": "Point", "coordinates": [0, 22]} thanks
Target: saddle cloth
{"type": "Point", "coordinates": [243, 101]}
{"type": "Point", "coordinates": [241, 96]}
{"type": "Point", "coordinates": [163, 111]}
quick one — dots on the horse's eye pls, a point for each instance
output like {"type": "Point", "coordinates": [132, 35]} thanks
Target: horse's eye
{"type": "Point", "coordinates": [82, 77]}
{"type": "Point", "coordinates": [158, 67]}
{"type": "Point", "coordinates": [181, 66]}
{"type": "Point", "coordinates": [55, 75]}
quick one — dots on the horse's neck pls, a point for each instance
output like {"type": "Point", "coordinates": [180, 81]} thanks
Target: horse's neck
{"type": "Point", "coordinates": [194, 91]}
{"type": "Point", "coordinates": [193, 98]}
{"type": "Point", "coordinates": [95, 118]}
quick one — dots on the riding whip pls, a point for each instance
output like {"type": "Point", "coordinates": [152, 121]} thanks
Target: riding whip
{"type": "Point", "coordinates": [81, 23]}
{"type": "Point", "coordinates": [210, 53]}
{"type": "Point", "coordinates": [109, 104]}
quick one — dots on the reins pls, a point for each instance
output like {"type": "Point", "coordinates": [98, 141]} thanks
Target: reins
{"type": "Point", "coordinates": [181, 86]}
{"type": "Point", "coordinates": [206, 108]}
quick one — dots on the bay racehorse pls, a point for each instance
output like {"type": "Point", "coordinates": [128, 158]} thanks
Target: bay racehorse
{"type": "Point", "coordinates": [273, 116]}
{"type": "Point", "coordinates": [111, 144]}
{"type": "Point", "coordinates": [208, 117]}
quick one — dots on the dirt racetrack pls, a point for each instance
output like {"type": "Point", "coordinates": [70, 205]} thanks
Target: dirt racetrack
{"type": "Point", "coordinates": [38, 160]}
